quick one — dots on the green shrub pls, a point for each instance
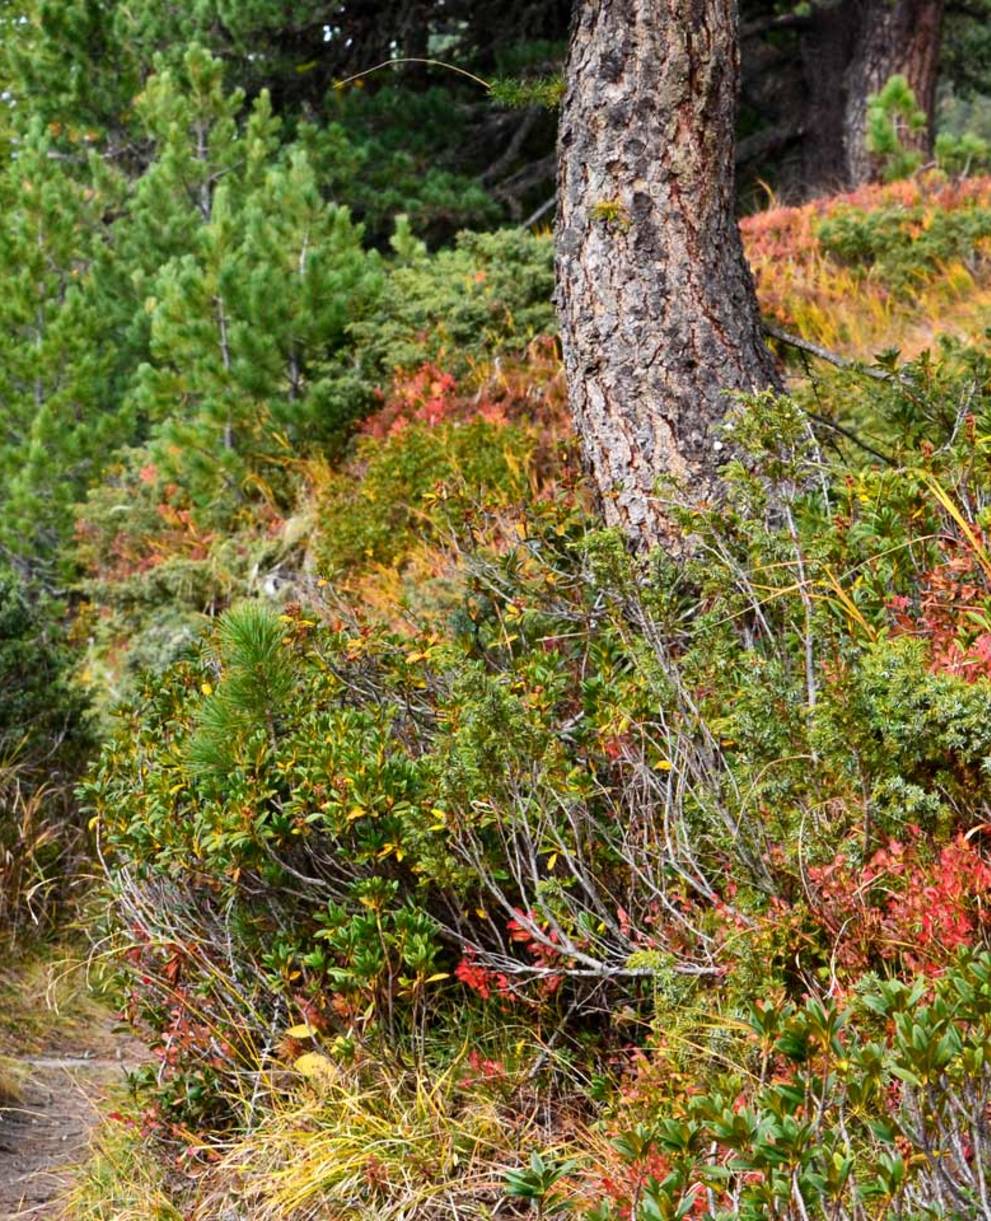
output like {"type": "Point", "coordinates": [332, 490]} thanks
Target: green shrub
{"type": "Point", "coordinates": [491, 292]}
{"type": "Point", "coordinates": [901, 245]}
{"type": "Point", "coordinates": [874, 1108]}
{"type": "Point", "coordinates": [417, 483]}
{"type": "Point", "coordinates": [962, 154]}
{"type": "Point", "coordinates": [593, 786]}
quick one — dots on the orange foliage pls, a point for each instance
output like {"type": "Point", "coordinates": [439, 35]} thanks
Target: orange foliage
{"type": "Point", "coordinates": [801, 286]}
{"type": "Point", "coordinates": [950, 611]}
{"type": "Point", "coordinates": [511, 390]}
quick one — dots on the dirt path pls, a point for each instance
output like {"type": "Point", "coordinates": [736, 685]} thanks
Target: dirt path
{"type": "Point", "coordinates": [46, 1131]}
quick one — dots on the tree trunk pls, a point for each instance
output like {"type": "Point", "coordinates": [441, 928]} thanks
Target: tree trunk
{"type": "Point", "coordinates": [414, 39]}
{"type": "Point", "coordinates": [827, 47]}
{"type": "Point", "coordinates": [901, 37]}
{"type": "Point", "coordinates": [847, 50]}
{"type": "Point", "coordinates": [658, 313]}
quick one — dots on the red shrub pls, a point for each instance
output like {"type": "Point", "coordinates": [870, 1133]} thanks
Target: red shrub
{"type": "Point", "coordinates": [903, 904]}
{"type": "Point", "coordinates": [526, 388]}
{"type": "Point", "coordinates": [950, 609]}
{"type": "Point", "coordinates": [482, 980]}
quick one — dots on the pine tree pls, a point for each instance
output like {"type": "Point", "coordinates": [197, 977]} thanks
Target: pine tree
{"type": "Point", "coordinates": [251, 278]}
{"type": "Point", "coordinates": [237, 723]}
{"type": "Point", "coordinates": [57, 351]}
{"type": "Point", "coordinates": [894, 124]}
{"type": "Point", "coordinates": [304, 278]}
{"type": "Point", "coordinates": [62, 61]}
{"type": "Point", "coordinates": [190, 388]}
{"type": "Point", "coordinates": [190, 126]}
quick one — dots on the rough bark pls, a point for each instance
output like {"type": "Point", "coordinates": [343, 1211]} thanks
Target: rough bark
{"type": "Point", "coordinates": [901, 37]}
{"type": "Point", "coordinates": [658, 313]}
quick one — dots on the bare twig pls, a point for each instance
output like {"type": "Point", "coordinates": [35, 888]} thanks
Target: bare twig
{"type": "Point", "coordinates": [831, 358]}
{"type": "Point", "coordinates": [544, 208]}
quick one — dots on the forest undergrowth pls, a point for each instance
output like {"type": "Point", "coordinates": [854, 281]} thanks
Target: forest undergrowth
{"type": "Point", "coordinates": [450, 860]}
{"type": "Point", "coordinates": [480, 869]}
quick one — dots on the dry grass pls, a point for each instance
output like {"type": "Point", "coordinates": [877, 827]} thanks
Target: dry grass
{"type": "Point", "coordinates": [121, 1180]}
{"type": "Point", "coordinates": [803, 287]}
{"type": "Point", "coordinates": [47, 1002]}
{"type": "Point", "coordinates": [380, 1144]}
{"type": "Point", "coordinates": [36, 841]}
{"type": "Point", "coordinates": [11, 1081]}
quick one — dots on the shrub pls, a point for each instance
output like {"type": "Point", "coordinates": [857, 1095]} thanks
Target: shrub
{"type": "Point", "coordinates": [489, 293]}
{"type": "Point", "coordinates": [962, 153]}
{"type": "Point", "coordinates": [598, 803]}
{"type": "Point", "coordinates": [887, 283]}
{"type": "Point", "coordinates": [903, 245]}
{"type": "Point", "coordinates": [872, 1108]}
{"type": "Point", "coordinates": [418, 482]}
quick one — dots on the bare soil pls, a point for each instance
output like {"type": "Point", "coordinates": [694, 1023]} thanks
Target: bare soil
{"type": "Point", "coordinates": [46, 1131]}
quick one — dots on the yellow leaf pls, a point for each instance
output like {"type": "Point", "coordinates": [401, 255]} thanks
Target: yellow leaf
{"type": "Point", "coordinates": [355, 812]}
{"type": "Point", "coordinates": [317, 1069]}
{"type": "Point", "coordinates": [433, 979]}
{"type": "Point", "coordinates": [552, 860]}
{"type": "Point", "coordinates": [663, 765]}
{"type": "Point", "coordinates": [93, 822]}
{"type": "Point", "coordinates": [303, 1031]}
{"type": "Point", "coordinates": [481, 913]}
